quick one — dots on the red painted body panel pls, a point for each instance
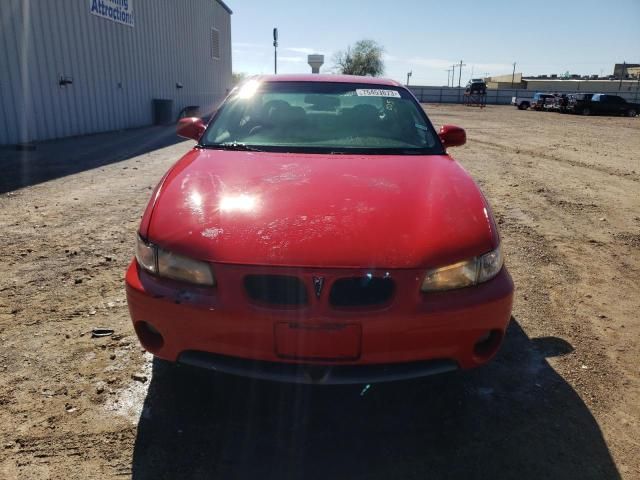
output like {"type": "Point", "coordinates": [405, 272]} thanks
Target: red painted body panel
{"type": "Point", "coordinates": [413, 326]}
{"type": "Point", "coordinates": [321, 210]}
{"type": "Point", "coordinates": [310, 215]}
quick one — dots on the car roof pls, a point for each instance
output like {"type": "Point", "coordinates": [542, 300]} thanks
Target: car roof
{"type": "Point", "coordinates": [327, 78]}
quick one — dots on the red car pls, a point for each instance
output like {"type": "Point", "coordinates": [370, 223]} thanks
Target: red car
{"type": "Point", "coordinates": [319, 232]}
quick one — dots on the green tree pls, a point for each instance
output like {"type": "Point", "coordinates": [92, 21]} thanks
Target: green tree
{"type": "Point", "coordinates": [237, 77]}
{"type": "Point", "coordinates": [364, 58]}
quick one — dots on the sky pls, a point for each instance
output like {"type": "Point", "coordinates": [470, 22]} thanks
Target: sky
{"type": "Point", "coordinates": [427, 37]}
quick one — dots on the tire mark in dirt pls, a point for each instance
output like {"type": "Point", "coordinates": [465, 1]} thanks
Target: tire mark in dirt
{"type": "Point", "coordinates": [53, 449]}
{"type": "Point", "coordinates": [574, 163]}
{"type": "Point", "coordinates": [545, 302]}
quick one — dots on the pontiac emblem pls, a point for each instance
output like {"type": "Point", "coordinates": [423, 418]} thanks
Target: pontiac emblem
{"type": "Point", "coordinates": [318, 283]}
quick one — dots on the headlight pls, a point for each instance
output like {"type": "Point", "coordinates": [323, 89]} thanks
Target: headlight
{"type": "Point", "coordinates": [464, 274]}
{"type": "Point", "coordinates": [185, 269]}
{"type": "Point", "coordinates": [170, 265]}
{"type": "Point", "coordinates": [146, 255]}
{"type": "Point", "coordinates": [490, 264]}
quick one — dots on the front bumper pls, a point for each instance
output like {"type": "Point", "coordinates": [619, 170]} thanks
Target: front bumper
{"type": "Point", "coordinates": [316, 374]}
{"type": "Point", "coordinates": [414, 334]}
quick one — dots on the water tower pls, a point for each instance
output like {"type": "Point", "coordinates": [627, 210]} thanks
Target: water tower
{"type": "Point", "coordinates": [315, 61]}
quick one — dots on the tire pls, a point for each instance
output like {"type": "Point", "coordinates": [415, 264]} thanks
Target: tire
{"type": "Point", "coordinates": [522, 107]}
{"type": "Point", "coordinates": [631, 112]}
{"type": "Point", "coordinates": [586, 111]}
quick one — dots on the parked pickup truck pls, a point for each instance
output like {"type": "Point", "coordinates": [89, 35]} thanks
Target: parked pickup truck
{"type": "Point", "coordinates": [576, 100]}
{"type": "Point", "coordinates": [559, 102]}
{"type": "Point", "coordinates": [536, 103]}
{"type": "Point", "coordinates": [477, 86]}
{"type": "Point", "coordinates": [603, 104]}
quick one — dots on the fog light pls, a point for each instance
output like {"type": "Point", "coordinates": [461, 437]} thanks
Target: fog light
{"type": "Point", "coordinates": [149, 336]}
{"type": "Point", "coordinates": [487, 345]}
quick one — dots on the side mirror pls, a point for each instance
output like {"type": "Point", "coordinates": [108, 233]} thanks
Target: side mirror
{"type": "Point", "coordinates": [452, 136]}
{"type": "Point", "coordinates": [191, 127]}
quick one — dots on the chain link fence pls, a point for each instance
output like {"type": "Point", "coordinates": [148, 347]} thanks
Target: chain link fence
{"type": "Point", "coordinates": [428, 94]}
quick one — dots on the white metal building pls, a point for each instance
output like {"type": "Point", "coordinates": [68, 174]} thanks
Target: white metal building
{"type": "Point", "coordinates": [73, 67]}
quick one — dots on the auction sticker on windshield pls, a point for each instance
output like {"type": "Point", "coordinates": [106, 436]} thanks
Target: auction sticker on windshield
{"type": "Point", "coordinates": [375, 92]}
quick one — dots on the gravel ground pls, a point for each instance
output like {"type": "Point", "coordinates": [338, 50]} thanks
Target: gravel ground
{"type": "Point", "coordinates": [561, 400]}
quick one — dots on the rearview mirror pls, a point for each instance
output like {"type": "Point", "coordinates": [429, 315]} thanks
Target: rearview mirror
{"type": "Point", "coordinates": [452, 136]}
{"type": "Point", "coordinates": [191, 127]}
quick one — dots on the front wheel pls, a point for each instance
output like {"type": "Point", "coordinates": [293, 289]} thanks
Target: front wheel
{"type": "Point", "coordinates": [631, 113]}
{"type": "Point", "coordinates": [586, 111]}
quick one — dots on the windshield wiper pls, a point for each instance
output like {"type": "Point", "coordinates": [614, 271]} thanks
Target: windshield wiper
{"type": "Point", "coordinates": [233, 146]}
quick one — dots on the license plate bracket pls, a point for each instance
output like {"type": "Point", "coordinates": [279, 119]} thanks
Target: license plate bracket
{"type": "Point", "coordinates": [318, 341]}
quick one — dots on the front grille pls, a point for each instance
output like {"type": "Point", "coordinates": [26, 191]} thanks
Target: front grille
{"type": "Point", "coordinates": [361, 291]}
{"type": "Point", "coordinates": [281, 290]}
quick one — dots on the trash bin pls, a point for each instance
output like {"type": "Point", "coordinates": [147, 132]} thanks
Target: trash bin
{"type": "Point", "coordinates": [162, 111]}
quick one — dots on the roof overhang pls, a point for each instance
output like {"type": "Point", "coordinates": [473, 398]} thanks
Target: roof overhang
{"type": "Point", "coordinates": [225, 6]}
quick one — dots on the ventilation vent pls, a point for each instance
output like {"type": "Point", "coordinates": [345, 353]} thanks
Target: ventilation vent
{"type": "Point", "coordinates": [215, 44]}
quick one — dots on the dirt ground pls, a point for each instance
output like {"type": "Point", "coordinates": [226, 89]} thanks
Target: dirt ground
{"type": "Point", "coordinates": [561, 400]}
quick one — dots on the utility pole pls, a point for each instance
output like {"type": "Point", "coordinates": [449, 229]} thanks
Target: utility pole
{"type": "Point", "coordinates": [453, 74]}
{"type": "Point", "coordinates": [448, 74]}
{"type": "Point", "coordinates": [409, 76]}
{"type": "Point", "coordinates": [513, 75]}
{"type": "Point", "coordinates": [624, 69]}
{"type": "Point", "coordinates": [460, 72]}
{"type": "Point", "coordinates": [275, 51]}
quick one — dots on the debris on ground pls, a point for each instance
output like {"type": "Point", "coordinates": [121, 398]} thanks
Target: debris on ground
{"type": "Point", "coordinates": [101, 332]}
{"type": "Point", "coordinates": [138, 377]}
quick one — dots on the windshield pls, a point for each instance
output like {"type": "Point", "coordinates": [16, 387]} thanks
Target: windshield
{"type": "Point", "coordinates": [322, 117]}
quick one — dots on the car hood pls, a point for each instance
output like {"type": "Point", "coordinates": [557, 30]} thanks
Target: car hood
{"type": "Point", "coordinates": [312, 210]}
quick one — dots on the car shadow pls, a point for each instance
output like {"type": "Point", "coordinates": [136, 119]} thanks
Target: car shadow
{"type": "Point", "coordinates": [514, 418]}
{"type": "Point", "coordinates": [58, 158]}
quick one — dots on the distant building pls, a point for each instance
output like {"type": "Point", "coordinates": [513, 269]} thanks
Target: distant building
{"type": "Point", "coordinates": [575, 83]}
{"type": "Point", "coordinates": [621, 70]}
{"type": "Point", "coordinates": [633, 72]}
{"type": "Point", "coordinates": [73, 67]}
{"type": "Point", "coordinates": [581, 85]}
{"type": "Point", "coordinates": [505, 81]}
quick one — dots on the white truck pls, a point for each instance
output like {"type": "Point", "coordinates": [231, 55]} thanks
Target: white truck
{"type": "Point", "coordinates": [536, 102]}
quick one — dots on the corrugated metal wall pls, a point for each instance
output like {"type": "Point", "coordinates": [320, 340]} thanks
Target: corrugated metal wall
{"type": "Point", "coordinates": [116, 69]}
